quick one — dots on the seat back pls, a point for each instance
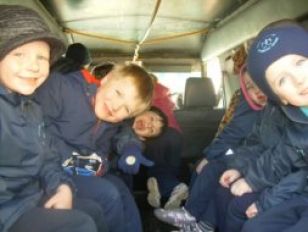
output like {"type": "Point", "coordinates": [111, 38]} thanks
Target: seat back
{"type": "Point", "coordinates": [199, 93]}
{"type": "Point", "coordinates": [199, 119]}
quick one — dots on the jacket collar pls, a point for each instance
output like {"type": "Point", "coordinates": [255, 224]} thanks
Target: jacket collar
{"type": "Point", "coordinates": [295, 114]}
{"type": "Point", "coordinates": [14, 98]}
{"type": "Point", "coordinates": [3, 90]}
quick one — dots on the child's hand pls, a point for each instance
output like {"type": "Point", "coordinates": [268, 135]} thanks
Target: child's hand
{"type": "Point", "coordinates": [240, 187]}
{"type": "Point", "coordinates": [62, 199]}
{"type": "Point", "coordinates": [130, 164]}
{"type": "Point", "coordinates": [252, 211]}
{"type": "Point", "coordinates": [228, 177]}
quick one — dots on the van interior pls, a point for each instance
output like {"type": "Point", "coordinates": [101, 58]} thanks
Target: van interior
{"type": "Point", "coordinates": [188, 45]}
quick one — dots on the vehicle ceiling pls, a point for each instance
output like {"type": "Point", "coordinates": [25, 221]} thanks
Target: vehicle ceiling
{"type": "Point", "coordinates": [115, 27]}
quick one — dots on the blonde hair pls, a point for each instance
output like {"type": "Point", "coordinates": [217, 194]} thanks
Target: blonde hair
{"type": "Point", "coordinates": [141, 78]}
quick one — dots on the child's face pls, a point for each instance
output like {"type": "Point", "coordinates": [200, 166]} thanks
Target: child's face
{"type": "Point", "coordinates": [147, 125]}
{"type": "Point", "coordinates": [117, 99]}
{"type": "Point", "coordinates": [26, 67]}
{"type": "Point", "coordinates": [255, 94]}
{"type": "Point", "coordinates": [288, 78]}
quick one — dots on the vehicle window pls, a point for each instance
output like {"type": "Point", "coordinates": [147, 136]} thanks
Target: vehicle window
{"type": "Point", "coordinates": [175, 81]}
{"type": "Point", "coordinates": [214, 71]}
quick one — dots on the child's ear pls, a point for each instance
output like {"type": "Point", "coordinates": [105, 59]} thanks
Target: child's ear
{"type": "Point", "coordinates": [284, 101]}
{"type": "Point", "coordinates": [104, 80]}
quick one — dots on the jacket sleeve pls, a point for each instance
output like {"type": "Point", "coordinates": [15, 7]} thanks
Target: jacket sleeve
{"type": "Point", "coordinates": [234, 133]}
{"type": "Point", "coordinates": [293, 184]}
{"type": "Point", "coordinates": [287, 155]}
{"type": "Point", "coordinates": [126, 139]}
{"type": "Point", "coordinates": [248, 151]}
{"type": "Point", "coordinates": [52, 174]}
{"type": "Point", "coordinates": [50, 97]}
{"type": "Point", "coordinates": [268, 169]}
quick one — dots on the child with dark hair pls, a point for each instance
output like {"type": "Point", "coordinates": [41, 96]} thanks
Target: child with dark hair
{"type": "Point", "coordinates": [101, 70]}
{"type": "Point", "coordinates": [150, 124]}
{"type": "Point", "coordinates": [77, 57]}
{"type": "Point", "coordinates": [167, 151]}
{"type": "Point", "coordinates": [35, 193]}
{"type": "Point", "coordinates": [164, 149]}
{"type": "Point", "coordinates": [162, 100]}
{"type": "Point", "coordinates": [162, 145]}
{"type": "Point", "coordinates": [79, 53]}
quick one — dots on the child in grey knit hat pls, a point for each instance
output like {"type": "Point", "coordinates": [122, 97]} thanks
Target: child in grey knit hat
{"type": "Point", "coordinates": [35, 193]}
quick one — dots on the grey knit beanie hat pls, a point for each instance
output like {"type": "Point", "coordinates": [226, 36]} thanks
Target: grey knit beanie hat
{"type": "Point", "coordinates": [20, 25]}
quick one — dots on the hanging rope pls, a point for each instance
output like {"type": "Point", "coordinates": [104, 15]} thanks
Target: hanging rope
{"type": "Point", "coordinates": [136, 54]}
{"type": "Point", "coordinates": [161, 39]}
{"type": "Point", "coordinates": [143, 40]}
{"type": "Point", "coordinates": [98, 36]}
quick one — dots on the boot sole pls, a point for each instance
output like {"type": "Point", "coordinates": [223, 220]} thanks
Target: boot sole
{"type": "Point", "coordinates": [176, 201]}
{"type": "Point", "coordinates": [154, 194]}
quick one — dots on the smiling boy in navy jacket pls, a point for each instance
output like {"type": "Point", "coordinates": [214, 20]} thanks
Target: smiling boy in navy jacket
{"type": "Point", "coordinates": [278, 64]}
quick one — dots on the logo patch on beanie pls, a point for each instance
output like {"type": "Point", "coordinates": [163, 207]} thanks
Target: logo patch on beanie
{"type": "Point", "coordinates": [267, 43]}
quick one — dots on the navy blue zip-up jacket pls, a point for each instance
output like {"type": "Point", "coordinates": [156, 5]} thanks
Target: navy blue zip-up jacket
{"type": "Point", "coordinates": [235, 133]}
{"type": "Point", "coordinates": [281, 159]}
{"type": "Point", "coordinates": [69, 116]}
{"type": "Point", "coordinates": [29, 168]}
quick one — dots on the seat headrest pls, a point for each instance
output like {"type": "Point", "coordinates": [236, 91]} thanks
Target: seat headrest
{"type": "Point", "coordinates": [199, 92]}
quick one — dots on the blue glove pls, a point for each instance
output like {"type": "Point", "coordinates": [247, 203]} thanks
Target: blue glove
{"type": "Point", "coordinates": [131, 160]}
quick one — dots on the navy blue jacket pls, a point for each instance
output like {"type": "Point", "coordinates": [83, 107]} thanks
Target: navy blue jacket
{"type": "Point", "coordinates": [234, 134]}
{"type": "Point", "coordinates": [292, 185]}
{"type": "Point", "coordinates": [70, 117]}
{"type": "Point", "coordinates": [280, 159]}
{"type": "Point", "coordinates": [28, 167]}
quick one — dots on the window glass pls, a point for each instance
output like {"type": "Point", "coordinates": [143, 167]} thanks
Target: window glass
{"type": "Point", "coordinates": [214, 72]}
{"type": "Point", "coordinates": [175, 81]}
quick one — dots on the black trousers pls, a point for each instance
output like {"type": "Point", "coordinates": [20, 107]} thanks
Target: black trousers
{"type": "Point", "coordinates": [80, 219]}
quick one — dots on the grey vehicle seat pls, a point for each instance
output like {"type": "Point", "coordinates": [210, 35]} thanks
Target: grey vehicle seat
{"type": "Point", "coordinates": [199, 119]}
